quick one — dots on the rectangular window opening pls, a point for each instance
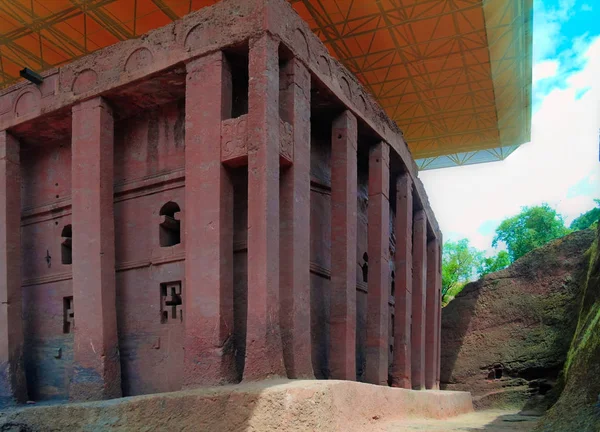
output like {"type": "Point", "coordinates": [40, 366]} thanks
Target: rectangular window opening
{"type": "Point", "coordinates": [237, 60]}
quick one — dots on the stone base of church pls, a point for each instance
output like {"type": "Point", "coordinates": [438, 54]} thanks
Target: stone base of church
{"type": "Point", "coordinates": [263, 406]}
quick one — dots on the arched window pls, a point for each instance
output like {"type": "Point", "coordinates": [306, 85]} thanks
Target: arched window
{"type": "Point", "coordinates": [170, 226]}
{"type": "Point", "coordinates": [66, 250]}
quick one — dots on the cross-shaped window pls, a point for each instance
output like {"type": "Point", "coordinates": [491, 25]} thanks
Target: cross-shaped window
{"type": "Point", "coordinates": [170, 301]}
{"type": "Point", "coordinates": [68, 315]}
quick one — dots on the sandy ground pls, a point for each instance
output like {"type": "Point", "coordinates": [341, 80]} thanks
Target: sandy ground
{"type": "Point", "coordinates": [491, 421]}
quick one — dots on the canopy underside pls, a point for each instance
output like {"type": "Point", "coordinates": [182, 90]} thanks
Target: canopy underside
{"type": "Point", "coordinates": [454, 74]}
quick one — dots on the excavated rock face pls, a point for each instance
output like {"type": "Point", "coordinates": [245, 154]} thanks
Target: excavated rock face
{"type": "Point", "coordinates": [505, 337]}
{"type": "Point", "coordinates": [578, 408]}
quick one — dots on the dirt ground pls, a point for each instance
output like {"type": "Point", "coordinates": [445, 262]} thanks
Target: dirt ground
{"type": "Point", "coordinates": [489, 421]}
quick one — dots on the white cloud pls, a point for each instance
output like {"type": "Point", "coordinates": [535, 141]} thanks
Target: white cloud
{"type": "Point", "coordinates": [544, 70]}
{"type": "Point", "coordinates": [563, 152]}
{"type": "Point", "coordinates": [588, 76]}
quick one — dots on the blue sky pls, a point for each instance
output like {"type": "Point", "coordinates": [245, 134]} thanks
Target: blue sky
{"type": "Point", "coordinates": [560, 165]}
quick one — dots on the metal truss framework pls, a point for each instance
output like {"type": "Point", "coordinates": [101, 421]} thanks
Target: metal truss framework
{"type": "Point", "coordinates": [454, 74]}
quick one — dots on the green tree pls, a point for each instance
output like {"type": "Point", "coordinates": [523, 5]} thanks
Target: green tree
{"type": "Point", "coordinates": [459, 264]}
{"type": "Point", "coordinates": [588, 219]}
{"type": "Point", "coordinates": [493, 264]}
{"type": "Point", "coordinates": [530, 229]}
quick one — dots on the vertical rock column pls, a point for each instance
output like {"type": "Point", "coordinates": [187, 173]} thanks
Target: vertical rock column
{"type": "Point", "coordinates": [295, 224]}
{"type": "Point", "coordinates": [208, 291]}
{"type": "Point", "coordinates": [419, 298]}
{"type": "Point", "coordinates": [379, 266]}
{"type": "Point", "coordinates": [342, 353]}
{"type": "Point", "coordinates": [96, 367]}
{"type": "Point", "coordinates": [264, 357]}
{"type": "Point", "coordinates": [401, 365]}
{"type": "Point", "coordinates": [431, 315]}
{"type": "Point", "coordinates": [13, 388]}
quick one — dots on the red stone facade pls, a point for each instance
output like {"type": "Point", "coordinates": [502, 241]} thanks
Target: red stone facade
{"type": "Point", "coordinates": [217, 201]}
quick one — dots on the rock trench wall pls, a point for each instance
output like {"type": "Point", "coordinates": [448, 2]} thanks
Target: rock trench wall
{"type": "Point", "coordinates": [578, 407]}
{"type": "Point", "coordinates": [505, 338]}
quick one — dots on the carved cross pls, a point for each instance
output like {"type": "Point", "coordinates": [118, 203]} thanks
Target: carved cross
{"type": "Point", "coordinates": [171, 298]}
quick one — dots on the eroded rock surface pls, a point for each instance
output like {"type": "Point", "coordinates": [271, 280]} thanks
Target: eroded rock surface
{"type": "Point", "coordinates": [506, 336]}
{"type": "Point", "coordinates": [578, 408]}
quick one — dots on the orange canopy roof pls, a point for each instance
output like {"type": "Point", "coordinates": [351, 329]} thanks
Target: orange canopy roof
{"type": "Point", "coordinates": [454, 74]}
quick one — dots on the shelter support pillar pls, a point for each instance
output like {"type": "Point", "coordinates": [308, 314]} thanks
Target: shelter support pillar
{"type": "Point", "coordinates": [295, 223]}
{"type": "Point", "coordinates": [264, 357]}
{"type": "Point", "coordinates": [379, 266]}
{"type": "Point", "coordinates": [432, 313]}
{"type": "Point", "coordinates": [209, 351]}
{"type": "Point", "coordinates": [342, 357]}
{"type": "Point", "coordinates": [401, 364]}
{"type": "Point", "coordinates": [97, 370]}
{"type": "Point", "coordinates": [13, 388]}
{"type": "Point", "coordinates": [419, 298]}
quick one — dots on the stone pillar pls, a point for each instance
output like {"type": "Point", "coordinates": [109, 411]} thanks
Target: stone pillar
{"type": "Point", "coordinates": [342, 353]}
{"type": "Point", "coordinates": [97, 371]}
{"type": "Point", "coordinates": [431, 314]}
{"type": "Point", "coordinates": [401, 365]}
{"type": "Point", "coordinates": [419, 297]}
{"type": "Point", "coordinates": [13, 388]}
{"type": "Point", "coordinates": [295, 224]}
{"type": "Point", "coordinates": [438, 290]}
{"type": "Point", "coordinates": [208, 291]}
{"type": "Point", "coordinates": [264, 357]}
{"type": "Point", "coordinates": [379, 266]}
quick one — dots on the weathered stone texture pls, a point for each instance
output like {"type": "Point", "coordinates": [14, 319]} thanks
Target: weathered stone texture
{"type": "Point", "coordinates": [506, 336]}
{"type": "Point", "coordinates": [343, 247]}
{"type": "Point", "coordinates": [96, 367]}
{"type": "Point", "coordinates": [209, 347]}
{"type": "Point", "coordinates": [419, 300]}
{"type": "Point", "coordinates": [12, 377]}
{"type": "Point", "coordinates": [578, 407]}
{"type": "Point", "coordinates": [294, 406]}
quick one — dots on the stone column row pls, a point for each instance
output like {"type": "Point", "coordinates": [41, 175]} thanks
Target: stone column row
{"type": "Point", "coordinates": [418, 296]}
{"type": "Point", "coordinates": [417, 264]}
